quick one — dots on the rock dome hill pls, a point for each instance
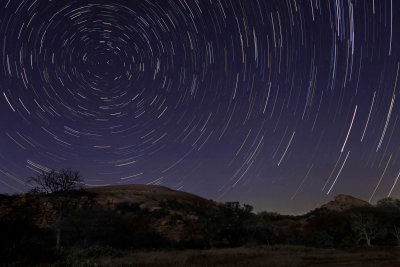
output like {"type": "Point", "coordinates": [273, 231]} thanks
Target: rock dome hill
{"type": "Point", "coordinates": [344, 202]}
{"type": "Point", "coordinates": [148, 195]}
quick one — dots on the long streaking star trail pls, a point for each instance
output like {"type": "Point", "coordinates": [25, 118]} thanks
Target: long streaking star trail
{"type": "Point", "coordinates": [340, 171]}
{"type": "Point", "coordinates": [380, 179]}
{"type": "Point", "coordinates": [348, 133]}
{"type": "Point", "coordinates": [369, 116]}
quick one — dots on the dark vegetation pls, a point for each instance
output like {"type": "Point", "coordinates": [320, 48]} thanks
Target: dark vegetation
{"type": "Point", "coordinates": [69, 225]}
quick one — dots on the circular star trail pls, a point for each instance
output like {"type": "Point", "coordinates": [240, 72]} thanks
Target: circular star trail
{"type": "Point", "coordinates": [280, 104]}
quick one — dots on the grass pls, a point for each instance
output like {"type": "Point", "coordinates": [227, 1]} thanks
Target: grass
{"type": "Point", "coordinates": [259, 256]}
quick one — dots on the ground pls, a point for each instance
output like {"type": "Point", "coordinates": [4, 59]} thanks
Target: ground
{"type": "Point", "coordinates": [261, 256]}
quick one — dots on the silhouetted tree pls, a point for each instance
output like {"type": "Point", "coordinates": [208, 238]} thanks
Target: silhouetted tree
{"type": "Point", "coordinates": [365, 227]}
{"type": "Point", "coordinates": [57, 187]}
{"type": "Point", "coordinates": [396, 233]}
{"type": "Point", "coordinates": [52, 181]}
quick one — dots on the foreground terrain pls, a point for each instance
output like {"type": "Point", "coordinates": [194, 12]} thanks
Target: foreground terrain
{"type": "Point", "coordinates": [142, 225]}
{"type": "Point", "coordinates": [259, 256]}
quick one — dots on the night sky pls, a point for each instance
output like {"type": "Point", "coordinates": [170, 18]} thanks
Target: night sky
{"type": "Point", "coordinates": [281, 104]}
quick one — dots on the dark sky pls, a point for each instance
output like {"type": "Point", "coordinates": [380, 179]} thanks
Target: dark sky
{"type": "Point", "coordinates": [281, 104]}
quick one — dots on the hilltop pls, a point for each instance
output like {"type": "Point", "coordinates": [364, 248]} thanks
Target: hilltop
{"type": "Point", "coordinates": [343, 203]}
{"type": "Point", "coordinates": [148, 195]}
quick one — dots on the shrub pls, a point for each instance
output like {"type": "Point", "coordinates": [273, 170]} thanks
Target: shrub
{"type": "Point", "coordinates": [323, 239]}
{"type": "Point", "coordinates": [95, 252]}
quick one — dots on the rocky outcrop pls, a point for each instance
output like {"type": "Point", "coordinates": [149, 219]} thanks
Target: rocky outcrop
{"type": "Point", "coordinates": [343, 203]}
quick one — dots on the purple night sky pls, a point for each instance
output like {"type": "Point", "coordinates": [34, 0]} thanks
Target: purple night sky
{"type": "Point", "coordinates": [280, 104]}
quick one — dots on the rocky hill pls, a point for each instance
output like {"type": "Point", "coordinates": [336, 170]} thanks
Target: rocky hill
{"type": "Point", "coordinates": [172, 214]}
{"type": "Point", "coordinates": [149, 196]}
{"type": "Point", "coordinates": [344, 203]}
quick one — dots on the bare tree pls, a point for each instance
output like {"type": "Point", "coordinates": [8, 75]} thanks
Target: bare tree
{"type": "Point", "coordinates": [365, 228]}
{"type": "Point", "coordinates": [56, 182]}
{"type": "Point", "coordinates": [396, 232]}
{"type": "Point", "coordinates": [57, 186]}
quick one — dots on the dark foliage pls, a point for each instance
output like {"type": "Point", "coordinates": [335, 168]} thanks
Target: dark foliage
{"type": "Point", "coordinates": [330, 230]}
{"type": "Point", "coordinates": [231, 225]}
{"type": "Point", "coordinates": [20, 238]}
{"type": "Point", "coordinates": [126, 227]}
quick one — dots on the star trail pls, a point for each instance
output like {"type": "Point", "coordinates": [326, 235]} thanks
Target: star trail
{"type": "Point", "coordinates": [281, 104]}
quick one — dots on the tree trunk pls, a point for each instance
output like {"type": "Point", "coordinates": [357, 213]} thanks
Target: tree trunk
{"type": "Point", "coordinates": [398, 239]}
{"type": "Point", "coordinates": [396, 233]}
{"type": "Point", "coordinates": [58, 237]}
{"type": "Point", "coordinates": [367, 239]}
{"type": "Point", "coordinates": [58, 227]}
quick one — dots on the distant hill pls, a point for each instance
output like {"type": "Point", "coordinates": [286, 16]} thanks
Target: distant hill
{"type": "Point", "coordinates": [148, 196]}
{"type": "Point", "coordinates": [343, 203]}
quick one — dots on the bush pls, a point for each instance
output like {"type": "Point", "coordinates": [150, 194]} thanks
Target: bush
{"type": "Point", "coordinates": [21, 240]}
{"type": "Point", "coordinates": [159, 213]}
{"type": "Point", "coordinates": [323, 239]}
{"type": "Point", "coordinates": [98, 251]}
{"type": "Point", "coordinates": [230, 225]}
